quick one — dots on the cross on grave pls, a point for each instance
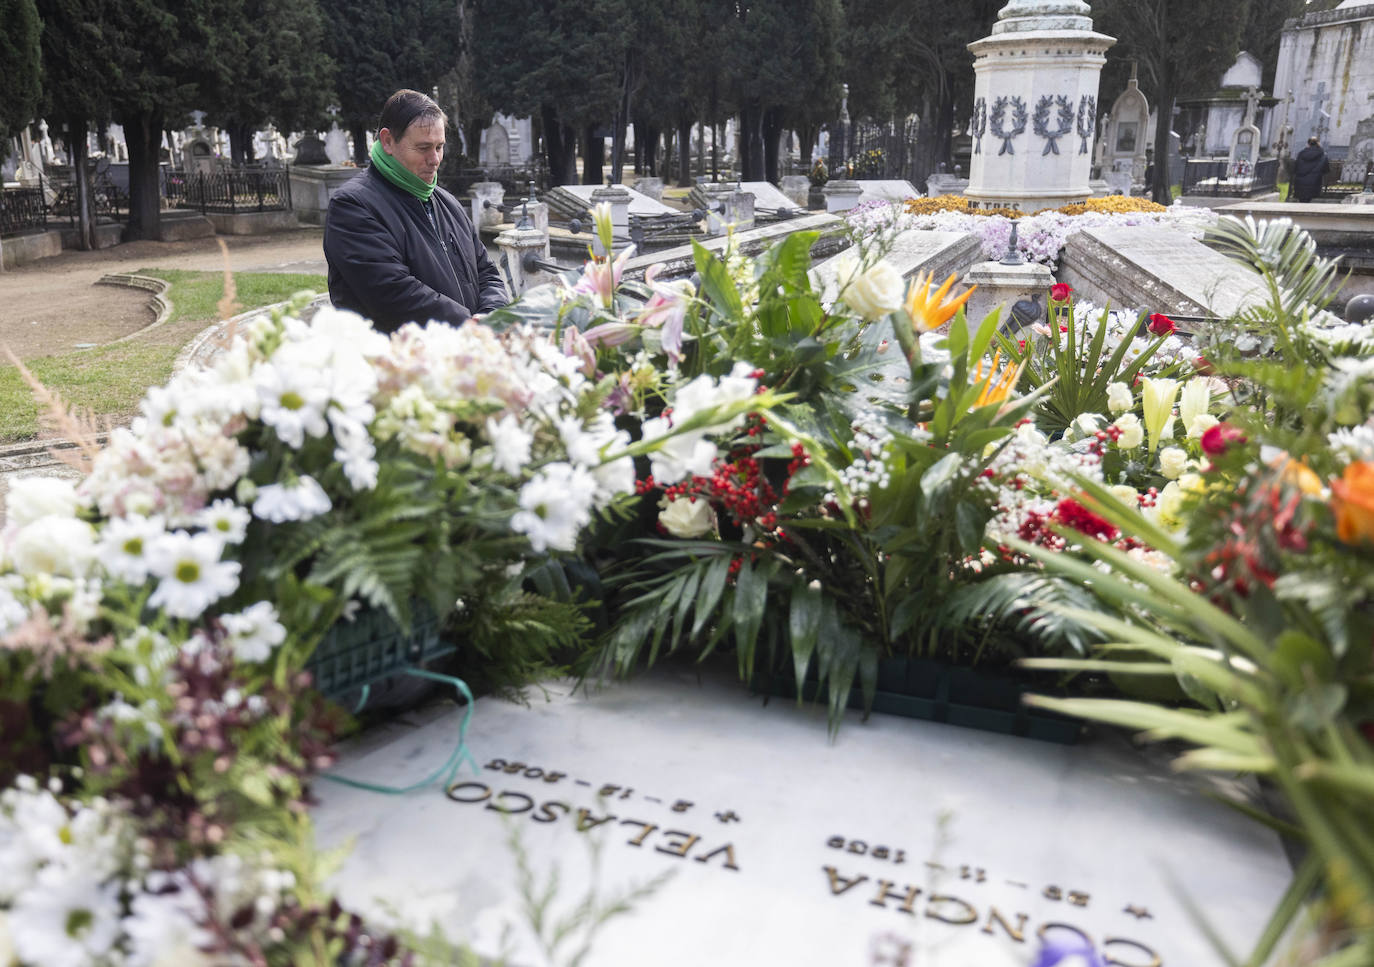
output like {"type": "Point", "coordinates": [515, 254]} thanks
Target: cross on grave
{"type": "Point", "coordinates": [1252, 98]}
{"type": "Point", "coordinates": [1320, 115]}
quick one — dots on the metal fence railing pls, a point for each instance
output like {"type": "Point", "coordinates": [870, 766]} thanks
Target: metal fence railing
{"type": "Point", "coordinates": [21, 210]}
{"type": "Point", "coordinates": [1220, 177]}
{"type": "Point", "coordinates": [229, 191]}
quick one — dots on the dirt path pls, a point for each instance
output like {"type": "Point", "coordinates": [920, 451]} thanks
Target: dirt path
{"type": "Point", "coordinates": [53, 305]}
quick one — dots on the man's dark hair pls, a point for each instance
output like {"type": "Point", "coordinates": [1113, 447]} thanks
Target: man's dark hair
{"type": "Point", "coordinates": [1313, 142]}
{"type": "Point", "coordinates": [405, 107]}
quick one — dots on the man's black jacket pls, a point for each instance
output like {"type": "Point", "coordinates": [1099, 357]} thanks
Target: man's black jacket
{"type": "Point", "coordinates": [389, 262]}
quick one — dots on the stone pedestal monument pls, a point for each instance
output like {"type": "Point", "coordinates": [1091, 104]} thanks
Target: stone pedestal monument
{"type": "Point", "coordinates": [1035, 105]}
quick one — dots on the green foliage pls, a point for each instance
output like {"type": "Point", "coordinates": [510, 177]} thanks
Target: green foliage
{"type": "Point", "coordinates": [19, 65]}
{"type": "Point", "coordinates": [1077, 369]}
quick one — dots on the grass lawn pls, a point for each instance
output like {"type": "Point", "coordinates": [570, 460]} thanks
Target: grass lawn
{"type": "Point", "coordinates": [110, 380]}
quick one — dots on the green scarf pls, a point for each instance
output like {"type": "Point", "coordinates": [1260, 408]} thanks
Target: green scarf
{"type": "Point", "coordinates": [400, 176]}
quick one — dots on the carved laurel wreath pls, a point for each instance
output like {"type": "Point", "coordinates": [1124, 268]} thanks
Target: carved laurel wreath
{"type": "Point", "coordinates": [1087, 121]}
{"type": "Point", "coordinates": [1018, 121]}
{"type": "Point", "coordinates": [1042, 121]}
{"type": "Point", "coordinates": [980, 123]}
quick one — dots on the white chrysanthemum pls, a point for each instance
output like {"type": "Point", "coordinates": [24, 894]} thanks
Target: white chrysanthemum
{"type": "Point", "coordinates": [226, 520]}
{"type": "Point", "coordinates": [164, 929]}
{"type": "Point", "coordinates": [254, 632]}
{"type": "Point", "coordinates": [124, 545]}
{"type": "Point", "coordinates": [301, 500]}
{"type": "Point", "coordinates": [1353, 443]}
{"type": "Point", "coordinates": [555, 506]}
{"type": "Point", "coordinates": [355, 450]}
{"type": "Point", "coordinates": [30, 498]}
{"type": "Point", "coordinates": [680, 455]}
{"type": "Point", "coordinates": [192, 575]}
{"type": "Point", "coordinates": [510, 444]}
{"type": "Point", "coordinates": [54, 545]}
{"type": "Point", "coordinates": [293, 399]}
{"type": "Point", "coordinates": [66, 921]}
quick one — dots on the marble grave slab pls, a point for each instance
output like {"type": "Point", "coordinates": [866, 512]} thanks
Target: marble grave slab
{"type": "Point", "coordinates": [640, 203]}
{"type": "Point", "coordinates": [1157, 269]}
{"type": "Point", "coordinates": [782, 847]}
{"type": "Point", "coordinates": [913, 252]}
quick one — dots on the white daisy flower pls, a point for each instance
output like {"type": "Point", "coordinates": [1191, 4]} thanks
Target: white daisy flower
{"type": "Point", "coordinates": [66, 921]}
{"type": "Point", "coordinates": [293, 400]}
{"type": "Point", "coordinates": [124, 545]}
{"type": "Point", "coordinates": [510, 444]}
{"type": "Point", "coordinates": [556, 504]}
{"type": "Point", "coordinates": [226, 520]}
{"type": "Point", "coordinates": [301, 500]}
{"type": "Point", "coordinates": [254, 632]}
{"type": "Point", "coordinates": [192, 575]}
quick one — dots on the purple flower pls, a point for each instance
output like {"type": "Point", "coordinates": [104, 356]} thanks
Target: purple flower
{"type": "Point", "coordinates": [1068, 950]}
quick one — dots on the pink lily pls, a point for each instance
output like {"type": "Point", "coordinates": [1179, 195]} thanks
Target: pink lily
{"type": "Point", "coordinates": [601, 277]}
{"type": "Point", "coordinates": [666, 310]}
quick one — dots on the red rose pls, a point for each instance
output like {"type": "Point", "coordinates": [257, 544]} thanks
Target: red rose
{"type": "Point", "coordinates": [1204, 366]}
{"type": "Point", "coordinates": [1160, 324]}
{"type": "Point", "coordinates": [1216, 440]}
{"type": "Point", "coordinates": [1059, 292]}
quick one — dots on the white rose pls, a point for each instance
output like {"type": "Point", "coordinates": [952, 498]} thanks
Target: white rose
{"type": "Point", "coordinates": [1172, 462]}
{"type": "Point", "coordinates": [876, 293]}
{"type": "Point", "coordinates": [687, 518]}
{"type": "Point", "coordinates": [1119, 398]}
{"type": "Point", "coordinates": [54, 545]}
{"type": "Point", "coordinates": [1126, 494]}
{"type": "Point", "coordinates": [1132, 433]}
{"type": "Point", "coordinates": [1200, 425]}
{"type": "Point", "coordinates": [33, 497]}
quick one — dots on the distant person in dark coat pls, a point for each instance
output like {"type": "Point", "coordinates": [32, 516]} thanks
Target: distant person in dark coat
{"type": "Point", "coordinates": [399, 248]}
{"type": "Point", "coordinates": [1309, 168]}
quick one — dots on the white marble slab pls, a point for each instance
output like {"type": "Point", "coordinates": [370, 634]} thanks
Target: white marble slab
{"type": "Point", "coordinates": [913, 252]}
{"type": "Point", "coordinates": [768, 196]}
{"type": "Point", "coordinates": [785, 848]}
{"type": "Point", "coordinates": [640, 203]}
{"type": "Point", "coordinates": [891, 189]}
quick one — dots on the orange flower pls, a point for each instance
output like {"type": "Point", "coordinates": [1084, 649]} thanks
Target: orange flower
{"type": "Point", "coordinates": [929, 312]}
{"type": "Point", "coordinates": [998, 386]}
{"type": "Point", "coordinates": [1352, 499]}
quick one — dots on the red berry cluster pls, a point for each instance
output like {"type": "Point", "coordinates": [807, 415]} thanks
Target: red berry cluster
{"type": "Point", "coordinates": [1071, 513]}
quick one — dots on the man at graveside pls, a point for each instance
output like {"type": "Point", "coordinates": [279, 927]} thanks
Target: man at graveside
{"type": "Point", "coordinates": [399, 248]}
{"type": "Point", "coordinates": [1309, 168]}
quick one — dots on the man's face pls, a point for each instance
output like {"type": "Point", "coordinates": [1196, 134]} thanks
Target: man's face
{"type": "Point", "coordinates": [419, 150]}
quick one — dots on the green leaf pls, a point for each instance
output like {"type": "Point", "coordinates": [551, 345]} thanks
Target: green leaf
{"type": "Point", "coordinates": [970, 521]}
{"type": "Point", "coordinates": [1316, 708]}
{"type": "Point", "coordinates": [937, 478]}
{"type": "Point", "coordinates": [751, 595]}
{"type": "Point", "coordinates": [1299, 658]}
{"type": "Point", "coordinates": [803, 625]}
{"type": "Point", "coordinates": [709, 596]}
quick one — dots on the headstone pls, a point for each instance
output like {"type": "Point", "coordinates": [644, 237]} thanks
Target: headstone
{"type": "Point", "coordinates": [900, 841]}
{"type": "Point", "coordinates": [1245, 141]}
{"type": "Point", "coordinates": [913, 253]}
{"type": "Point", "coordinates": [1159, 269]}
{"type": "Point", "coordinates": [650, 186]}
{"type": "Point", "coordinates": [619, 198]}
{"type": "Point", "coordinates": [198, 157]}
{"type": "Point", "coordinates": [1001, 286]}
{"type": "Point", "coordinates": [841, 194]}
{"type": "Point", "coordinates": [496, 146]}
{"type": "Point", "coordinates": [486, 196]}
{"type": "Point", "coordinates": [1360, 152]}
{"type": "Point", "coordinates": [797, 189]}
{"type": "Point", "coordinates": [1127, 135]}
{"type": "Point", "coordinates": [336, 145]}
{"type": "Point", "coordinates": [943, 183]}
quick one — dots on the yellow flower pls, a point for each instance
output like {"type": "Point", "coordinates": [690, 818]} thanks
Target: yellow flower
{"type": "Point", "coordinates": [998, 386]}
{"type": "Point", "coordinates": [929, 312]}
{"type": "Point", "coordinates": [1296, 473]}
{"type": "Point", "coordinates": [1158, 400]}
{"type": "Point", "coordinates": [1352, 498]}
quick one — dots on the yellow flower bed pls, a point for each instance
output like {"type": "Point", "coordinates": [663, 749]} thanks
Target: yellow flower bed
{"type": "Point", "coordinates": [1112, 204]}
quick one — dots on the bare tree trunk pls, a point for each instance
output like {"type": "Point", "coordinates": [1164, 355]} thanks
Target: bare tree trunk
{"type": "Point", "coordinates": [593, 155]}
{"type": "Point", "coordinates": [143, 133]}
{"type": "Point", "coordinates": [85, 231]}
{"type": "Point", "coordinates": [1161, 190]}
{"type": "Point", "coordinates": [359, 132]}
{"type": "Point", "coordinates": [684, 147]}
